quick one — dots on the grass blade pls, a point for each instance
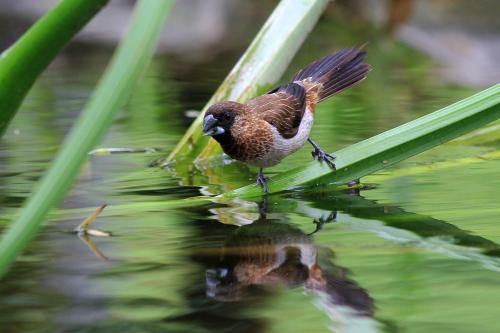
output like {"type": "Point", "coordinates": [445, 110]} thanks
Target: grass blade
{"type": "Point", "coordinates": [23, 62]}
{"type": "Point", "coordinates": [129, 61]}
{"type": "Point", "coordinates": [261, 65]}
{"type": "Point", "coordinates": [392, 146]}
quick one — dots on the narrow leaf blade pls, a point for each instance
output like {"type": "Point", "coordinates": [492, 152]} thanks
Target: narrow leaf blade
{"type": "Point", "coordinates": [392, 146]}
{"type": "Point", "coordinates": [262, 64]}
{"type": "Point", "coordinates": [127, 64]}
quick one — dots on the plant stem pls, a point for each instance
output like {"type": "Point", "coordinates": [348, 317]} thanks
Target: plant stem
{"type": "Point", "coordinates": [129, 61]}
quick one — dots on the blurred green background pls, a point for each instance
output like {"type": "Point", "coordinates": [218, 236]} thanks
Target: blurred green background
{"type": "Point", "coordinates": [415, 249]}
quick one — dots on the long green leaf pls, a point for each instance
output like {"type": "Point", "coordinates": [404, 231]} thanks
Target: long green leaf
{"type": "Point", "coordinates": [392, 146]}
{"type": "Point", "coordinates": [262, 64]}
{"type": "Point", "coordinates": [129, 61]}
{"type": "Point", "coordinates": [23, 62]}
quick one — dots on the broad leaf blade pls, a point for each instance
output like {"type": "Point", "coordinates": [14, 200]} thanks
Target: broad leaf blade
{"type": "Point", "coordinates": [262, 65]}
{"type": "Point", "coordinates": [391, 146]}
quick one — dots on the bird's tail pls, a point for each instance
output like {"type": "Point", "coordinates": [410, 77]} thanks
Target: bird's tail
{"type": "Point", "coordinates": [336, 72]}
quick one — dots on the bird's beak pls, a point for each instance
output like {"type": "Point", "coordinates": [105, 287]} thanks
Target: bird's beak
{"type": "Point", "coordinates": [209, 126]}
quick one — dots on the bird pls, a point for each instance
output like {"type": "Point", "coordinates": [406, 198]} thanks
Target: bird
{"type": "Point", "coordinates": [268, 128]}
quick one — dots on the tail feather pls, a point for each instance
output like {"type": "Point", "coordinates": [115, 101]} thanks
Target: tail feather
{"type": "Point", "coordinates": [336, 72]}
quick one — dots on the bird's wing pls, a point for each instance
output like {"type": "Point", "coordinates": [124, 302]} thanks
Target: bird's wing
{"type": "Point", "coordinates": [282, 107]}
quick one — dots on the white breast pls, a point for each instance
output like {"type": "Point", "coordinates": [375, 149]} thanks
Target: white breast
{"type": "Point", "coordinates": [283, 147]}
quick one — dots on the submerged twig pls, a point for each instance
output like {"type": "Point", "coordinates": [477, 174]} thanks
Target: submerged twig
{"type": "Point", "coordinates": [84, 232]}
{"type": "Point", "coordinates": [83, 228]}
{"type": "Point", "coordinates": [92, 247]}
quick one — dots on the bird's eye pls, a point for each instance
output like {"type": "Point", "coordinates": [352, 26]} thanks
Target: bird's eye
{"type": "Point", "coordinates": [226, 116]}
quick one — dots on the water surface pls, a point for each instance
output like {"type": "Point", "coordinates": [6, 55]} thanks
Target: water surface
{"type": "Point", "coordinates": [415, 249]}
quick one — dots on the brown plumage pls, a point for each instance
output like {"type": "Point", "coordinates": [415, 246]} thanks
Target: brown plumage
{"type": "Point", "coordinates": [270, 127]}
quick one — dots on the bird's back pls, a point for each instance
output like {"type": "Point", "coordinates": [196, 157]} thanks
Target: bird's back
{"type": "Point", "coordinates": [284, 107]}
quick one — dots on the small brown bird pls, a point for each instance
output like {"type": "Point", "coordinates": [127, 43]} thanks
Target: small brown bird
{"type": "Point", "coordinates": [270, 127]}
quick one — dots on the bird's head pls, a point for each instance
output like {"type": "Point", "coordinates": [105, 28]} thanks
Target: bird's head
{"type": "Point", "coordinates": [220, 117]}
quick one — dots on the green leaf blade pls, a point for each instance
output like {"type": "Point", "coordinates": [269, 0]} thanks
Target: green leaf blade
{"type": "Point", "coordinates": [261, 65]}
{"type": "Point", "coordinates": [390, 147]}
{"type": "Point", "coordinates": [22, 63]}
{"type": "Point", "coordinates": [112, 92]}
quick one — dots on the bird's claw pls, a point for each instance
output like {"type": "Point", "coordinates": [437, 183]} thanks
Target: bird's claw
{"type": "Point", "coordinates": [322, 155]}
{"type": "Point", "coordinates": [262, 181]}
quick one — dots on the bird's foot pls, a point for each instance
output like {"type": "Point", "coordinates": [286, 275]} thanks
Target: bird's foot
{"type": "Point", "coordinates": [322, 221]}
{"type": "Point", "coordinates": [322, 155]}
{"type": "Point", "coordinates": [262, 181]}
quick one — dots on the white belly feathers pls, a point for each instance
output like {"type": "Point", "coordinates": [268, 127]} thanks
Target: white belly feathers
{"type": "Point", "coordinates": [283, 147]}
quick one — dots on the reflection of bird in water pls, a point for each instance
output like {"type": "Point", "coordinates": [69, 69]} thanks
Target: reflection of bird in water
{"type": "Point", "coordinates": [268, 253]}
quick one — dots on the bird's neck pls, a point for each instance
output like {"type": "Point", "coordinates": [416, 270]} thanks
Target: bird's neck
{"type": "Point", "coordinates": [227, 142]}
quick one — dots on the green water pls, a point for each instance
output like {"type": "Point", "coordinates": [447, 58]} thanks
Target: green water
{"type": "Point", "coordinates": [415, 249]}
